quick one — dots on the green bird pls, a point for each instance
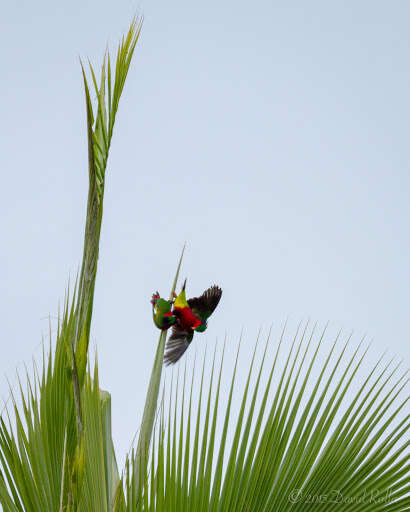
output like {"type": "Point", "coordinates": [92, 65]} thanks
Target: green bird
{"type": "Point", "coordinates": [161, 312]}
{"type": "Point", "coordinates": [191, 315]}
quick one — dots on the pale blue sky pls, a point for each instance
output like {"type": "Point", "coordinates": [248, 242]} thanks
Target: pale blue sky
{"type": "Point", "coordinates": [272, 136]}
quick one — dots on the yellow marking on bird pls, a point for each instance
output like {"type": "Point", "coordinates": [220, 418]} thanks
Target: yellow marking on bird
{"type": "Point", "coordinates": [180, 301]}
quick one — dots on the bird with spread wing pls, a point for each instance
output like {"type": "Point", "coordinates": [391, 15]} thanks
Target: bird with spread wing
{"type": "Point", "coordinates": [191, 315]}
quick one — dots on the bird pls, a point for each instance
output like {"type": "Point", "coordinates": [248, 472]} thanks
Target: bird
{"type": "Point", "coordinates": [191, 315]}
{"type": "Point", "coordinates": [162, 312]}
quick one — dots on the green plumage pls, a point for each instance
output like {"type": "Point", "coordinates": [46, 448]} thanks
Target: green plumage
{"type": "Point", "coordinates": [161, 312]}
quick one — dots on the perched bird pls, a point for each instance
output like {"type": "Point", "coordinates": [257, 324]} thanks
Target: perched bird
{"type": "Point", "coordinates": [161, 312]}
{"type": "Point", "coordinates": [191, 315]}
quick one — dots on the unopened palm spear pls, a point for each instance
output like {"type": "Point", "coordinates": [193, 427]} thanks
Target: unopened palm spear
{"type": "Point", "coordinates": [185, 317]}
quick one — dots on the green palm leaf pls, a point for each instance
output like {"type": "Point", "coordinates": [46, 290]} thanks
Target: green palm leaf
{"type": "Point", "coordinates": [59, 453]}
{"type": "Point", "coordinates": [306, 441]}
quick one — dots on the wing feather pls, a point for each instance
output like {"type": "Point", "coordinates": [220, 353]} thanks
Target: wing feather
{"type": "Point", "coordinates": [205, 304]}
{"type": "Point", "coordinates": [177, 344]}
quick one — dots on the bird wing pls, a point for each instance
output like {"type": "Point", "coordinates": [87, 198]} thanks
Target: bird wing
{"type": "Point", "coordinates": [177, 344]}
{"type": "Point", "coordinates": [205, 305]}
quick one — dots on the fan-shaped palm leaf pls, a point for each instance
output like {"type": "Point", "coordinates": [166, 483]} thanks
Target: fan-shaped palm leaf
{"type": "Point", "coordinates": [307, 444]}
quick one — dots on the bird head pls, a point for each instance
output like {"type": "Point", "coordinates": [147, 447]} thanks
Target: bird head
{"type": "Point", "coordinates": [155, 297]}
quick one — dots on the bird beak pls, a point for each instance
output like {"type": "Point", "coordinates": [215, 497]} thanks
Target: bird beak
{"type": "Point", "coordinates": [183, 286]}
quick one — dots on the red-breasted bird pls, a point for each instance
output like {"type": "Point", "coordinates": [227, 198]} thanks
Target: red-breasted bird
{"type": "Point", "coordinates": [191, 315]}
{"type": "Point", "coordinates": [161, 312]}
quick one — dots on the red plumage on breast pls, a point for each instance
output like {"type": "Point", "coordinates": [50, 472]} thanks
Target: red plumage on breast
{"type": "Point", "coordinates": [186, 319]}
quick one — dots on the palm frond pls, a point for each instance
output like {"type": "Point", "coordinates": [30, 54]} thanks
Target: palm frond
{"type": "Point", "coordinates": [59, 455]}
{"type": "Point", "coordinates": [32, 452]}
{"type": "Point", "coordinates": [295, 439]}
{"type": "Point", "coordinates": [100, 127]}
{"type": "Point", "coordinates": [101, 472]}
{"type": "Point", "coordinates": [151, 400]}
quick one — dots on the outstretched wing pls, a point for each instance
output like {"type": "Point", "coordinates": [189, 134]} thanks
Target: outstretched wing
{"type": "Point", "coordinates": [177, 344]}
{"type": "Point", "coordinates": [205, 305]}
